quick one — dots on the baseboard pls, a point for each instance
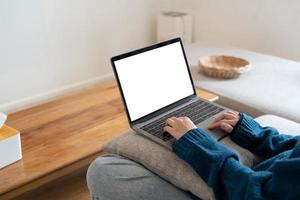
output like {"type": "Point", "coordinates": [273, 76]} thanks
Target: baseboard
{"type": "Point", "coordinates": [49, 95]}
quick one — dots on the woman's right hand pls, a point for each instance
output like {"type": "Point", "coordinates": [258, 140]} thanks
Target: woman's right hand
{"type": "Point", "coordinates": [226, 121]}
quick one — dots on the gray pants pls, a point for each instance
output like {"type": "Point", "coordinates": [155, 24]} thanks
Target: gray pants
{"type": "Point", "coordinates": [112, 177]}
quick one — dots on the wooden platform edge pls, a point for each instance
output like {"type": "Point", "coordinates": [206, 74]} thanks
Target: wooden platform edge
{"type": "Point", "coordinates": [50, 177]}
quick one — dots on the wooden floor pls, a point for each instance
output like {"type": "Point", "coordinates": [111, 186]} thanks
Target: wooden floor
{"type": "Point", "coordinates": [63, 136]}
{"type": "Point", "coordinates": [69, 187]}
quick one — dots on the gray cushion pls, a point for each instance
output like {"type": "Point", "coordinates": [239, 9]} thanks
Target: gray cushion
{"type": "Point", "coordinates": [161, 161]}
{"type": "Point", "coordinates": [166, 164]}
{"type": "Point", "coordinates": [245, 156]}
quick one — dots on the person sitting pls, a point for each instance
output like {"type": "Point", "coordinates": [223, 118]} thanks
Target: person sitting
{"type": "Point", "coordinates": [276, 177]}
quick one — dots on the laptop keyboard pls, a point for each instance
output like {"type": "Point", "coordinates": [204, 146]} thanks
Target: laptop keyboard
{"type": "Point", "coordinates": [197, 111]}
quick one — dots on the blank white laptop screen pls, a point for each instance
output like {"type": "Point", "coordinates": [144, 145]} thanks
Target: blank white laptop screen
{"type": "Point", "coordinates": [154, 79]}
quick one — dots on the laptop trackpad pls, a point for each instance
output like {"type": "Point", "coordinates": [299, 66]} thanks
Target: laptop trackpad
{"type": "Point", "coordinates": [217, 133]}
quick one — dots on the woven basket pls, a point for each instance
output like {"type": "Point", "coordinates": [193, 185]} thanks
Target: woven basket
{"type": "Point", "coordinates": [223, 66]}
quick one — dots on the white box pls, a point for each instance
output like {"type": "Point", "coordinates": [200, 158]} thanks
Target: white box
{"type": "Point", "coordinates": [10, 146]}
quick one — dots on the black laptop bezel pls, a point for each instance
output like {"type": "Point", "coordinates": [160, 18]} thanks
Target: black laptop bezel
{"type": "Point", "coordinates": [161, 110]}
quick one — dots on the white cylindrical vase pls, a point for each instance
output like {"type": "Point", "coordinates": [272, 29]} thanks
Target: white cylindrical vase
{"type": "Point", "coordinates": [174, 24]}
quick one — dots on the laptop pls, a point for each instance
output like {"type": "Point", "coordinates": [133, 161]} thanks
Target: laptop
{"type": "Point", "coordinates": [155, 83]}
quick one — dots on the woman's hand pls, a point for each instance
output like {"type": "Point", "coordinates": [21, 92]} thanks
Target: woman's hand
{"type": "Point", "coordinates": [178, 126]}
{"type": "Point", "coordinates": [226, 121]}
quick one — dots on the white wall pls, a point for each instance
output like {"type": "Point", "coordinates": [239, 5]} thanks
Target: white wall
{"type": "Point", "coordinates": [51, 46]}
{"type": "Point", "coordinates": [269, 26]}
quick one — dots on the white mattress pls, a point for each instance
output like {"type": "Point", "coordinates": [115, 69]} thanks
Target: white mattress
{"type": "Point", "coordinates": [272, 85]}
